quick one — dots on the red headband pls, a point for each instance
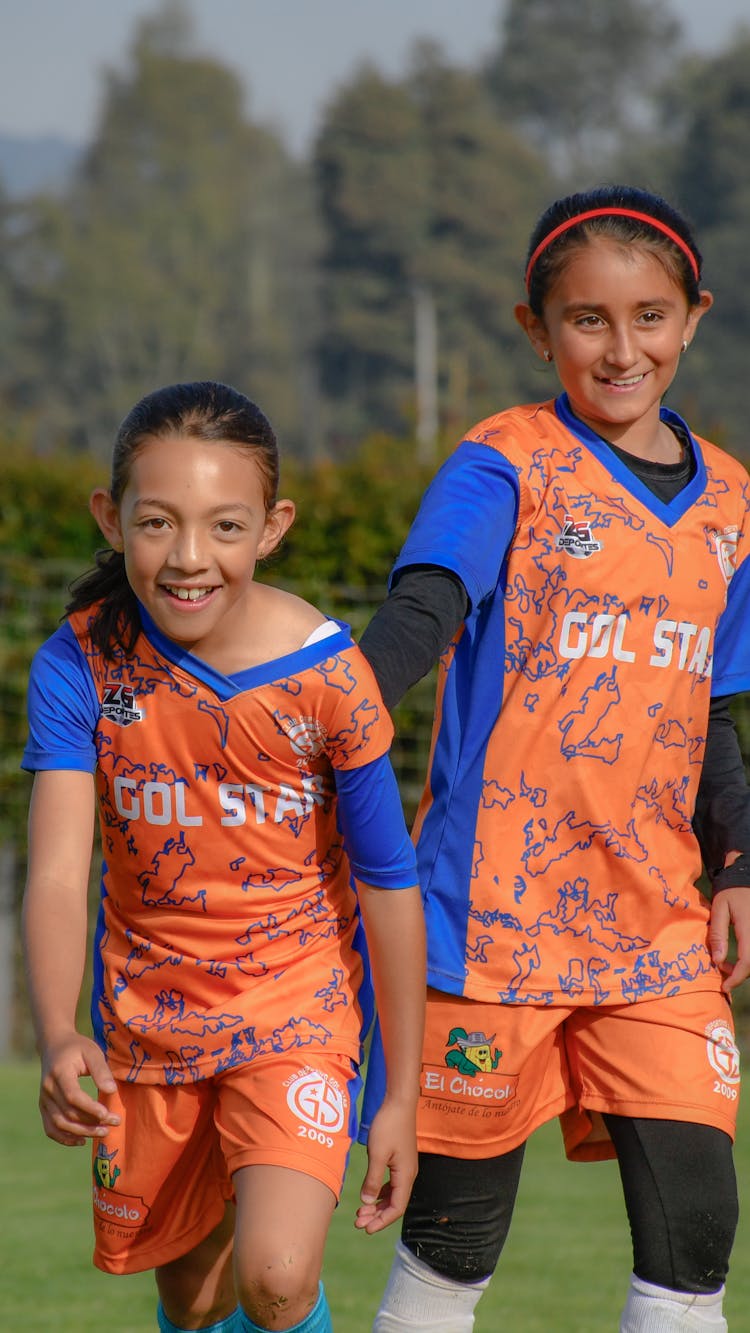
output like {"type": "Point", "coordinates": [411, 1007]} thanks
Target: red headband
{"type": "Point", "coordinates": [619, 213]}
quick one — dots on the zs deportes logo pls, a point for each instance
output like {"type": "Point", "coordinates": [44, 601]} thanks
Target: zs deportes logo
{"type": "Point", "coordinates": [576, 539]}
{"type": "Point", "coordinates": [118, 705]}
{"type": "Point", "coordinates": [319, 1103]}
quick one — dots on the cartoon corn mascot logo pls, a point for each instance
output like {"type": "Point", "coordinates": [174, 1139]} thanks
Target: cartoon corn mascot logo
{"type": "Point", "coordinates": [105, 1174]}
{"type": "Point", "coordinates": [472, 1052]}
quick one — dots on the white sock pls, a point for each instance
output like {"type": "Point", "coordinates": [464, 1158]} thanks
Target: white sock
{"type": "Point", "coordinates": [417, 1297]}
{"type": "Point", "coordinates": [651, 1309]}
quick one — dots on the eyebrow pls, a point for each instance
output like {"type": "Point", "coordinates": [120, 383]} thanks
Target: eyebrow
{"type": "Point", "coordinates": [597, 308]}
{"type": "Point", "coordinates": [154, 501]}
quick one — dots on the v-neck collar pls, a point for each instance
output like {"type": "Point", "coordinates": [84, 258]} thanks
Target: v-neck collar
{"type": "Point", "coordinates": [669, 512]}
{"type": "Point", "coordinates": [226, 687]}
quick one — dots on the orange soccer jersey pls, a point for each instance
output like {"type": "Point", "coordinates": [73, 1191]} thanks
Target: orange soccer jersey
{"type": "Point", "coordinates": [555, 846]}
{"type": "Point", "coordinates": [228, 926]}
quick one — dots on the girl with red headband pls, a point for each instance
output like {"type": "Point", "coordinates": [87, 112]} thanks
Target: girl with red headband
{"type": "Point", "coordinates": [580, 566]}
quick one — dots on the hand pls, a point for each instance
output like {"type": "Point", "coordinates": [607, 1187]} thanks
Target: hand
{"type": "Point", "coordinates": [391, 1150]}
{"type": "Point", "coordinates": [69, 1114]}
{"type": "Point", "coordinates": [731, 907]}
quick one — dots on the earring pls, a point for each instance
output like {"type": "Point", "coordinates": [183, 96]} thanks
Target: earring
{"type": "Point", "coordinates": [547, 355]}
{"type": "Point", "coordinates": [684, 345]}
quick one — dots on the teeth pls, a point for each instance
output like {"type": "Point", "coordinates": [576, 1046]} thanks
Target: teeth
{"type": "Point", "coordinates": [634, 379]}
{"type": "Point", "coordinates": [187, 594]}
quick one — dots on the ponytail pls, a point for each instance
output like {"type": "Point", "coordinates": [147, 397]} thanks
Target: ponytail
{"type": "Point", "coordinates": [116, 623]}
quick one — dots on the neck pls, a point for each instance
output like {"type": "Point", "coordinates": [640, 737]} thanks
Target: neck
{"type": "Point", "coordinates": [650, 438]}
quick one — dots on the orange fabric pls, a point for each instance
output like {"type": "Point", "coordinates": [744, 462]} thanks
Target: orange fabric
{"type": "Point", "coordinates": [162, 1178]}
{"type": "Point", "coordinates": [584, 864]}
{"type": "Point", "coordinates": [492, 1074]}
{"type": "Point", "coordinates": [228, 926]}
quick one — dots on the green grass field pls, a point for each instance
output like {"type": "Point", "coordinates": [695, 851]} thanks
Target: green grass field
{"type": "Point", "coordinates": [564, 1269]}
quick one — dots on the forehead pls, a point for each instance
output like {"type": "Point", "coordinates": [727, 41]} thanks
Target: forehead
{"type": "Point", "coordinates": [629, 270]}
{"type": "Point", "coordinates": [178, 464]}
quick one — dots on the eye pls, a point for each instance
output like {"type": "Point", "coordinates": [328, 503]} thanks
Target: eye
{"type": "Point", "coordinates": [651, 317]}
{"type": "Point", "coordinates": [154, 524]}
{"type": "Point", "coordinates": [589, 322]}
{"type": "Point", "coordinates": [228, 526]}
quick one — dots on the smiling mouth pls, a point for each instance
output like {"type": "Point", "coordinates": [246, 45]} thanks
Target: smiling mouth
{"type": "Point", "coordinates": [625, 382]}
{"type": "Point", "coordinates": [187, 594]}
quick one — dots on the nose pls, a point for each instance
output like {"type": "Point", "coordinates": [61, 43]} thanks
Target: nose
{"type": "Point", "coordinates": [187, 550]}
{"type": "Point", "coordinates": [621, 347]}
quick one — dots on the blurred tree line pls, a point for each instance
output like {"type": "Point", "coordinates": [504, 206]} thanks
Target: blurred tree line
{"type": "Point", "coordinates": [371, 286]}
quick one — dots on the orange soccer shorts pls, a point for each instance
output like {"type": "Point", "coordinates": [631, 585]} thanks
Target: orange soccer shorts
{"type": "Point", "coordinates": [163, 1176]}
{"type": "Point", "coordinates": [492, 1073]}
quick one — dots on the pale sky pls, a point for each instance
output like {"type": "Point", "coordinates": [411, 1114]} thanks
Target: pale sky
{"type": "Point", "coordinates": [290, 54]}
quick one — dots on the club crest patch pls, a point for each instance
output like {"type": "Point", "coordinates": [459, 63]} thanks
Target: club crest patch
{"type": "Point", "coordinates": [722, 1052]}
{"type": "Point", "coordinates": [725, 544]}
{"type": "Point", "coordinates": [306, 735]}
{"type": "Point", "coordinates": [318, 1100]}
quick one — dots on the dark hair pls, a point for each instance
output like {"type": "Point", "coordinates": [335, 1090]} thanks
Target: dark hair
{"type": "Point", "coordinates": [203, 410]}
{"type": "Point", "coordinates": [648, 220]}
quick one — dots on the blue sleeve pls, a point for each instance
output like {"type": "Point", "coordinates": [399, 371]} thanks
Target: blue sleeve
{"type": "Point", "coordinates": [466, 519]}
{"type": "Point", "coordinates": [63, 708]}
{"type": "Point", "coordinates": [731, 668]}
{"type": "Point", "coordinates": [372, 821]}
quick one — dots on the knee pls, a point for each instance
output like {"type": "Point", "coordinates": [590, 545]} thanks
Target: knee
{"type": "Point", "coordinates": [459, 1249]}
{"type": "Point", "coordinates": [277, 1292]}
{"type": "Point", "coordinates": [697, 1257]}
{"type": "Point", "coordinates": [459, 1214]}
{"type": "Point", "coordinates": [454, 1258]}
{"type": "Point", "coordinates": [681, 1192]}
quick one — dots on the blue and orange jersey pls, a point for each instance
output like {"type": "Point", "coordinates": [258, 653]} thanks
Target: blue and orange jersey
{"type": "Point", "coordinates": [555, 846]}
{"type": "Point", "coordinates": [228, 925]}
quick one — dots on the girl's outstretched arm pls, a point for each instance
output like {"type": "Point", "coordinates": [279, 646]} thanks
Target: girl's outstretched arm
{"type": "Point", "coordinates": [61, 822]}
{"type": "Point", "coordinates": [394, 926]}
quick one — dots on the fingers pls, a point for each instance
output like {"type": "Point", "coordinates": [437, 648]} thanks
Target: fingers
{"type": "Point", "coordinates": [380, 1213]}
{"type": "Point", "coordinates": [70, 1115]}
{"type": "Point", "coordinates": [384, 1203]}
{"type": "Point", "coordinates": [730, 910]}
{"type": "Point", "coordinates": [718, 931]}
{"type": "Point", "coordinates": [735, 975]}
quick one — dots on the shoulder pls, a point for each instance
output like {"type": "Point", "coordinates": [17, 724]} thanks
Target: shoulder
{"type": "Point", "coordinates": [287, 618]}
{"type": "Point", "coordinates": [722, 463]}
{"type": "Point", "coordinates": [61, 648]}
{"type": "Point", "coordinates": [524, 425]}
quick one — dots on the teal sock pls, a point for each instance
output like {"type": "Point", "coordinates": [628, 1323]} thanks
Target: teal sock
{"type": "Point", "coordinates": [318, 1320]}
{"type": "Point", "coordinates": [231, 1324]}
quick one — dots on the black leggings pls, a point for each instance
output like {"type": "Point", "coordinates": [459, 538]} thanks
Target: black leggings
{"type": "Point", "coordinates": [680, 1193]}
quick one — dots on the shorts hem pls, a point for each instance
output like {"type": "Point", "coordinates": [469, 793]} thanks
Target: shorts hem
{"type": "Point", "coordinates": [476, 1152]}
{"type": "Point", "coordinates": [306, 1166]}
{"type": "Point", "coordinates": [143, 1260]}
{"type": "Point", "coordinates": [690, 1112]}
